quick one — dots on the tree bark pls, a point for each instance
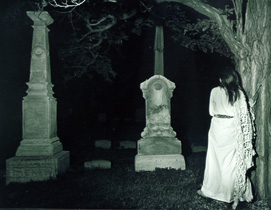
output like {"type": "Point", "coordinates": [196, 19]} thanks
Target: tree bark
{"type": "Point", "coordinates": [250, 42]}
{"type": "Point", "coordinates": [255, 69]}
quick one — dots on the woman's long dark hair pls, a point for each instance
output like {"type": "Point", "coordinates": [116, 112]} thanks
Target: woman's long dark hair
{"type": "Point", "coordinates": [230, 80]}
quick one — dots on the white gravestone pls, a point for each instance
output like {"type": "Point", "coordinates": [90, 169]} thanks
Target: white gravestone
{"type": "Point", "coordinates": [159, 147]}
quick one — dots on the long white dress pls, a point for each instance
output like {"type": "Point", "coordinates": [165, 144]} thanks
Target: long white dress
{"type": "Point", "coordinates": [220, 168]}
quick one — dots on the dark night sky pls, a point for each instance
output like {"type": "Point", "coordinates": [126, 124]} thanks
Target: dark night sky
{"type": "Point", "coordinates": [192, 72]}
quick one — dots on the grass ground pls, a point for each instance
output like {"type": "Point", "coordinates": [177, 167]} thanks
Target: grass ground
{"type": "Point", "coordinates": [118, 188]}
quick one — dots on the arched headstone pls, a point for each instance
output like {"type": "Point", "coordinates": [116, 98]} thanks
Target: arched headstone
{"type": "Point", "coordinates": [159, 147]}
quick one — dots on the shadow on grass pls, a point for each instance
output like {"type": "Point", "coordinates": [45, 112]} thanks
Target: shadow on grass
{"type": "Point", "coordinates": [117, 188]}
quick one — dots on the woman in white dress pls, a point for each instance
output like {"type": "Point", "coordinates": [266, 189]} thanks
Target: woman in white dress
{"type": "Point", "coordinates": [230, 150]}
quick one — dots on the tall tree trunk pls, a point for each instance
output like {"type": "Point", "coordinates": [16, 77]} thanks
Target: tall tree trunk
{"type": "Point", "coordinates": [255, 67]}
{"type": "Point", "coordinates": [258, 87]}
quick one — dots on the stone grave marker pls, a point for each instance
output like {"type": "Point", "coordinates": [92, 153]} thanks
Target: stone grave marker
{"type": "Point", "coordinates": [40, 155]}
{"type": "Point", "coordinates": [104, 144]}
{"type": "Point", "coordinates": [102, 164]}
{"type": "Point", "coordinates": [159, 147]}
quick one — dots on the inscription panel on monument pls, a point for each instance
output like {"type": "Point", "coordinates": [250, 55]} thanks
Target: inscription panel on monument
{"type": "Point", "coordinates": [34, 173]}
{"type": "Point", "coordinates": [25, 169]}
{"type": "Point", "coordinates": [35, 118]}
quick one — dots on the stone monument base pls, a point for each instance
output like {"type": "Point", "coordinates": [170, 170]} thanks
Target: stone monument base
{"type": "Point", "coordinates": [159, 146]}
{"type": "Point", "coordinates": [36, 168]}
{"type": "Point", "coordinates": [151, 162]}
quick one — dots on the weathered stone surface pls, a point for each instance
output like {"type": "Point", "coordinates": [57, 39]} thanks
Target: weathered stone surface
{"type": "Point", "coordinates": [157, 91]}
{"type": "Point", "coordinates": [40, 18]}
{"type": "Point", "coordinates": [42, 168]}
{"type": "Point", "coordinates": [151, 162]}
{"type": "Point", "coordinates": [128, 145]}
{"type": "Point", "coordinates": [102, 164]}
{"type": "Point", "coordinates": [39, 117]}
{"type": "Point", "coordinates": [40, 154]}
{"type": "Point", "coordinates": [39, 106]}
{"type": "Point", "coordinates": [39, 147]}
{"type": "Point", "coordinates": [104, 144]}
{"type": "Point", "coordinates": [159, 146]}
{"type": "Point", "coordinates": [159, 51]}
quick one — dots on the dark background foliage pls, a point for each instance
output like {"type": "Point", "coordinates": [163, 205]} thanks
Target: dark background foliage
{"type": "Point", "coordinates": [111, 85]}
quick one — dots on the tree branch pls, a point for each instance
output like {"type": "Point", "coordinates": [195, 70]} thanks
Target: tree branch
{"type": "Point", "coordinates": [239, 17]}
{"type": "Point", "coordinates": [225, 26]}
{"type": "Point", "coordinates": [98, 23]}
{"type": "Point", "coordinates": [66, 4]}
{"type": "Point", "coordinates": [197, 5]}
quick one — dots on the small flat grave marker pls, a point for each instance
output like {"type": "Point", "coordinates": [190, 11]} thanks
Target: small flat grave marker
{"type": "Point", "coordinates": [102, 164]}
{"type": "Point", "coordinates": [128, 145]}
{"type": "Point", "coordinates": [104, 144]}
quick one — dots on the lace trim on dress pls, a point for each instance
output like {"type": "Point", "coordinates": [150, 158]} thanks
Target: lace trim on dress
{"type": "Point", "coordinates": [245, 151]}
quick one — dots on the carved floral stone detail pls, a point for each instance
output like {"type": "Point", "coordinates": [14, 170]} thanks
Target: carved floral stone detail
{"type": "Point", "coordinates": [38, 50]}
{"type": "Point", "coordinates": [157, 91]}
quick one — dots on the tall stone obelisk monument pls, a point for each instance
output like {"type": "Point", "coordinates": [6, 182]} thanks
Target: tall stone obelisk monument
{"type": "Point", "coordinates": [40, 155]}
{"type": "Point", "coordinates": [158, 147]}
{"type": "Point", "coordinates": [159, 51]}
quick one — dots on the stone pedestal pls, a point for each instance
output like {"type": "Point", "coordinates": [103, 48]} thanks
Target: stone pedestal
{"type": "Point", "coordinates": [159, 147]}
{"type": "Point", "coordinates": [40, 155]}
{"type": "Point", "coordinates": [37, 168]}
{"type": "Point", "coordinates": [151, 162]}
